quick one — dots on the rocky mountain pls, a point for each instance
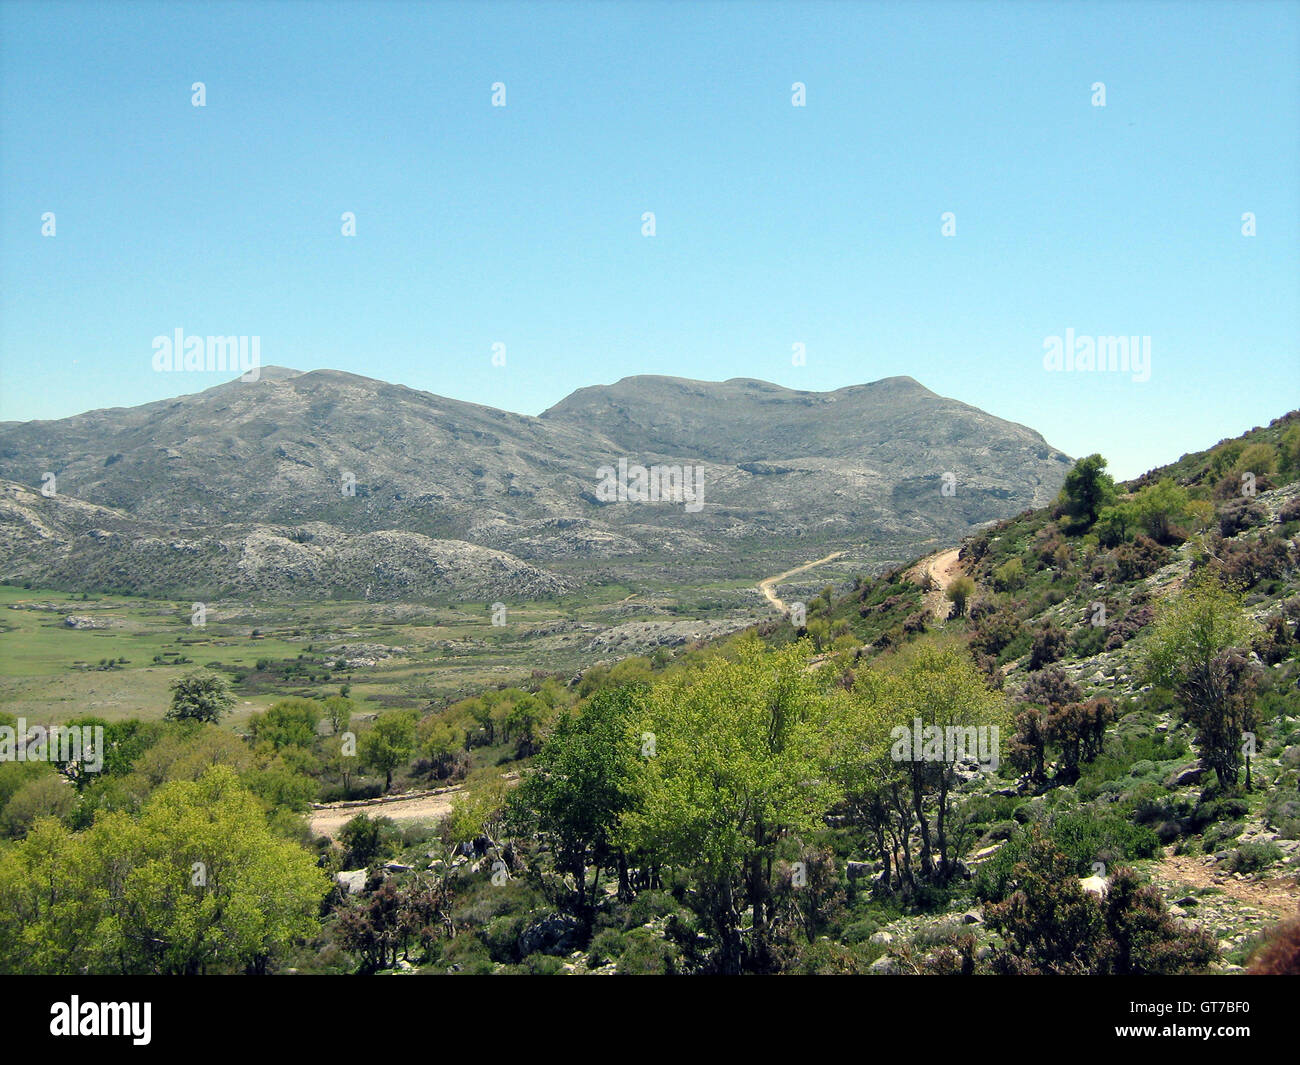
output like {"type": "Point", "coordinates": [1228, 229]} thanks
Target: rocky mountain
{"type": "Point", "coordinates": [327, 483]}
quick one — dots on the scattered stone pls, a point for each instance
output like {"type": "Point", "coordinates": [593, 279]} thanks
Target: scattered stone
{"type": "Point", "coordinates": [857, 870]}
{"type": "Point", "coordinates": [353, 881]}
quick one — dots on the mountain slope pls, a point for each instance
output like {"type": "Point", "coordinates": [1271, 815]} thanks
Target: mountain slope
{"type": "Point", "coordinates": [350, 456]}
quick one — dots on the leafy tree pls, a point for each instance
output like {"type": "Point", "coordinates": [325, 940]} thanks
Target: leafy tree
{"type": "Point", "coordinates": [1088, 489]}
{"type": "Point", "coordinates": [1159, 507]}
{"type": "Point", "coordinates": [1028, 750]}
{"type": "Point", "coordinates": [1010, 576]}
{"type": "Point", "coordinates": [289, 722]}
{"type": "Point", "coordinates": [443, 744]}
{"type": "Point", "coordinates": [186, 752]}
{"type": "Point", "coordinates": [45, 795]}
{"type": "Point", "coordinates": [1289, 452]}
{"type": "Point", "coordinates": [525, 717]}
{"type": "Point", "coordinates": [1196, 650]}
{"type": "Point", "coordinates": [388, 744]}
{"type": "Point", "coordinates": [1258, 458]}
{"type": "Point", "coordinates": [959, 592]}
{"type": "Point", "coordinates": [365, 840]}
{"type": "Point", "coordinates": [580, 785]}
{"type": "Point", "coordinates": [197, 883]}
{"type": "Point", "coordinates": [739, 762]}
{"type": "Point", "coordinates": [939, 684]}
{"type": "Point", "coordinates": [876, 787]}
{"type": "Point", "coordinates": [338, 712]}
{"type": "Point", "coordinates": [199, 697]}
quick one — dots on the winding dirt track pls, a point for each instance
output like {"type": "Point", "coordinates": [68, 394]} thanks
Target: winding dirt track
{"type": "Point", "coordinates": [327, 821]}
{"type": "Point", "coordinates": [768, 583]}
{"type": "Point", "coordinates": [936, 573]}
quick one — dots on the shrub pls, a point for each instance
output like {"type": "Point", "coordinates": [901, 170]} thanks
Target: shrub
{"type": "Point", "coordinates": [1010, 576]}
{"type": "Point", "coordinates": [1139, 559]}
{"type": "Point", "coordinates": [606, 945]}
{"type": "Point", "coordinates": [1252, 857]}
{"type": "Point", "coordinates": [646, 954]}
{"type": "Point", "coordinates": [1048, 646]}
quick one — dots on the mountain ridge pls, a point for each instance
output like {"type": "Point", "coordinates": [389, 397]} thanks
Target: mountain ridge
{"type": "Point", "coordinates": [863, 465]}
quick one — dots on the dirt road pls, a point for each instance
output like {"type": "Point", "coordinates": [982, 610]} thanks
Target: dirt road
{"type": "Point", "coordinates": [937, 572]}
{"type": "Point", "coordinates": [1280, 895]}
{"type": "Point", "coordinates": [327, 821]}
{"type": "Point", "coordinates": [767, 584]}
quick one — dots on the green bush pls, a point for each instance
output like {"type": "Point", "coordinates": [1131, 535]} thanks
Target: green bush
{"type": "Point", "coordinates": [542, 965]}
{"type": "Point", "coordinates": [1252, 857]}
{"type": "Point", "coordinates": [1084, 838]}
{"type": "Point", "coordinates": [646, 955]}
{"type": "Point", "coordinates": [606, 945]}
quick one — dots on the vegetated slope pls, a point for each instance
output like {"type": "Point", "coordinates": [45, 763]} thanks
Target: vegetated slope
{"type": "Point", "coordinates": [1057, 610]}
{"type": "Point", "coordinates": [279, 486]}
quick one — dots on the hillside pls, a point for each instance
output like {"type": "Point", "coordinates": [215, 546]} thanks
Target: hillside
{"type": "Point", "coordinates": [280, 486]}
{"type": "Point", "coordinates": [1119, 671]}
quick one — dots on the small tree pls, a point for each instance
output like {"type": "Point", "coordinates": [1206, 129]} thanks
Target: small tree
{"type": "Point", "coordinates": [581, 783]}
{"type": "Point", "coordinates": [388, 743]}
{"type": "Point", "coordinates": [1088, 488]}
{"type": "Point", "coordinates": [199, 697]}
{"type": "Point", "coordinates": [338, 712]}
{"type": "Point", "coordinates": [1196, 651]}
{"type": "Point", "coordinates": [1048, 646]}
{"type": "Point", "coordinates": [959, 593]}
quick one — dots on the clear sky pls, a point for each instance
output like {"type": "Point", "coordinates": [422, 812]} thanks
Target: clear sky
{"type": "Point", "coordinates": [775, 225]}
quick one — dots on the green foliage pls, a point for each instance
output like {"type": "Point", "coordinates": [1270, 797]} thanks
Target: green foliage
{"type": "Point", "coordinates": [197, 883]}
{"type": "Point", "coordinates": [583, 781]}
{"type": "Point", "coordinates": [289, 722]}
{"type": "Point", "coordinates": [388, 744]}
{"type": "Point", "coordinates": [199, 697]}
{"type": "Point", "coordinates": [739, 748]}
{"type": "Point", "coordinates": [959, 592]}
{"type": "Point", "coordinates": [1088, 489]}
{"type": "Point", "coordinates": [1195, 651]}
{"type": "Point", "coordinates": [44, 795]}
{"type": "Point", "coordinates": [367, 840]}
{"type": "Point", "coordinates": [1079, 837]}
{"type": "Point", "coordinates": [1010, 576]}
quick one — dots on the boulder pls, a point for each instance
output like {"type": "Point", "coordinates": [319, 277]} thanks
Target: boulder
{"type": "Point", "coordinates": [1096, 884]}
{"type": "Point", "coordinates": [557, 933]}
{"type": "Point", "coordinates": [1184, 778]}
{"type": "Point", "coordinates": [353, 881]}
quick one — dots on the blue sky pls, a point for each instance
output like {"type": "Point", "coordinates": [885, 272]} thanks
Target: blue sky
{"type": "Point", "coordinates": [775, 225]}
